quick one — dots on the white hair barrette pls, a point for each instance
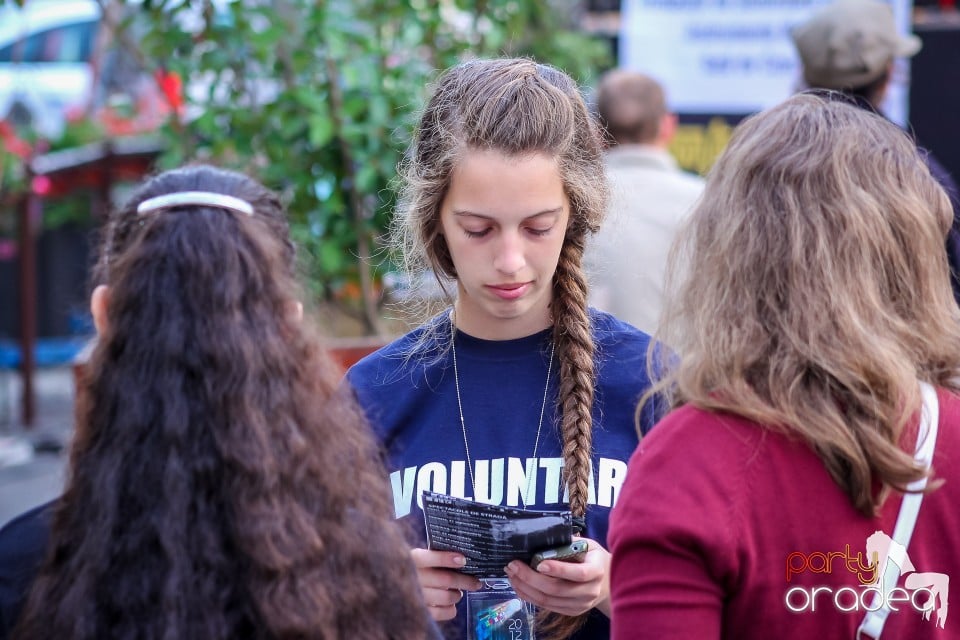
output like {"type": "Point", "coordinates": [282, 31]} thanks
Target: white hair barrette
{"type": "Point", "coordinates": [201, 198]}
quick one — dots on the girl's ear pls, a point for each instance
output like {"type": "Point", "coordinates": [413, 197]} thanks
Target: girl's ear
{"type": "Point", "coordinates": [99, 300]}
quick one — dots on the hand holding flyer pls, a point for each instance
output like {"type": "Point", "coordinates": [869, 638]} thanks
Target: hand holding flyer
{"type": "Point", "coordinates": [490, 536]}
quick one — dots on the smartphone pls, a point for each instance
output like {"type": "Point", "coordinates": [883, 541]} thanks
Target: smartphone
{"type": "Point", "coordinates": [573, 552]}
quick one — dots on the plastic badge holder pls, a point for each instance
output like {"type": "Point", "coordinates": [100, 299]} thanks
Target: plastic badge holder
{"type": "Point", "coordinates": [496, 613]}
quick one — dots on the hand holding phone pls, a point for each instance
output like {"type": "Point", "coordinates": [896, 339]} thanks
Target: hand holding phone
{"type": "Point", "coordinates": [573, 552]}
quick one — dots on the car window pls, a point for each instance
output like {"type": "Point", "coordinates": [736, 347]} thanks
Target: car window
{"type": "Point", "coordinates": [12, 52]}
{"type": "Point", "coordinates": [30, 51]}
{"type": "Point", "coordinates": [69, 43]}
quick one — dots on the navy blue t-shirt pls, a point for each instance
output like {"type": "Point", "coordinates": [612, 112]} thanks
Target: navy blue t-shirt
{"type": "Point", "coordinates": [23, 546]}
{"type": "Point", "coordinates": [408, 392]}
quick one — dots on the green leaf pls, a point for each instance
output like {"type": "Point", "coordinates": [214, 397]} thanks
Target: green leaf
{"type": "Point", "coordinates": [385, 54]}
{"type": "Point", "coordinates": [321, 130]}
{"type": "Point", "coordinates": [332, 256]}
{"type": "Point", "coordinates": [367, 178]}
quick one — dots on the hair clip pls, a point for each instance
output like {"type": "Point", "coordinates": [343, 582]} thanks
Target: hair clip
{"type": "Point", "coordinates": [200, 198]}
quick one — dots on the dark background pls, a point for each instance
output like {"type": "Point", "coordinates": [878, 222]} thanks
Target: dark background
{"type": "Point", "coordinates": [63, 260]}
{"type": "Point", "coordinates": [935, 93]}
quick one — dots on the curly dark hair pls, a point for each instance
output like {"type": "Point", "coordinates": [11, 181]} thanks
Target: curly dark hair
{"type": "Point", "coordinates": [220, 483]}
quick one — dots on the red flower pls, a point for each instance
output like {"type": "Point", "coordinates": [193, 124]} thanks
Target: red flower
{"type": "Point", "coordinates": [172, 87]}
{"type": "Point", "coordinates": [40, 185]}
{"type": "Point", "coordinates": [12, 143]}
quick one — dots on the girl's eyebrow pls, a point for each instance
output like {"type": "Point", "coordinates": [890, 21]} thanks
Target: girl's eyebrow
{"type": "Point", "coordinates": [545, 212]}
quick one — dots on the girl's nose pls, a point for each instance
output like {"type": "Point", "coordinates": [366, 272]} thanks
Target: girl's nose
{"type": "Point", "coordinates": [510, 256]}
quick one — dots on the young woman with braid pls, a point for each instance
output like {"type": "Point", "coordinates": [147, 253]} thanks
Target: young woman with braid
{"type": "Point", "coordinates": [206, 493]}
{"type": "Point", "coordinates": [517, 395]}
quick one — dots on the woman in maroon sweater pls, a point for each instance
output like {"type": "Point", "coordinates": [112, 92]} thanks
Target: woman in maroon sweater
{"type": "Point", "coordinates": [812, 300]}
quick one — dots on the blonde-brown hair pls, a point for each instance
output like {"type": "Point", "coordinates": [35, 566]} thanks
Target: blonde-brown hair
{"type": "Point", "coordinates": [810, 289]}
{"type": "Point", "coordinates": [518, 107]}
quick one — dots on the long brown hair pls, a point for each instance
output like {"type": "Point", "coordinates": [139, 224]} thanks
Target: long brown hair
{"type": "Point", "coordinates": [207, 496]}
{"type": "Point", "coordinates": [810, 289]}
{"type": "Point", "coordinates": [517, 107]}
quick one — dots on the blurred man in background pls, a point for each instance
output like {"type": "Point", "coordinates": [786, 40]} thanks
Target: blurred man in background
{"type": "Point", "coordinates": [650, 198]}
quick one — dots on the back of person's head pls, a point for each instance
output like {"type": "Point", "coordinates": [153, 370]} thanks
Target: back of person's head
{"type": "Point", "coordinates": [631, 106]}
{"type": "Point", "coordinates": [207, 496]}
{"type": "Point", "coordinates": [518, 107]}
{"type": "Point", "coordinates": [849, 45]}
{"type": "Point", "coordinates": [810, 289]}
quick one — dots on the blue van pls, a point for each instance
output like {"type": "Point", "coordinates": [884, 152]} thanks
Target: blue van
{"type": "Point", "coordinates": [47, 61]}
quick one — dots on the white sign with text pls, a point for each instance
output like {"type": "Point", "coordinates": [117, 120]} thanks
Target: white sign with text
{"type": "Point", "coordinates": [729, 56]}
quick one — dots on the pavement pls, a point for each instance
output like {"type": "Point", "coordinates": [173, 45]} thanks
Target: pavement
{"type": "Point", "coordinates": [33, 460]}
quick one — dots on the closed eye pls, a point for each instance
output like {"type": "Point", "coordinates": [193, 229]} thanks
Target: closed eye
{"type": "Point", "coordinates": [476, 234]}
{"type": "Point", "coordinates": [539, 232]}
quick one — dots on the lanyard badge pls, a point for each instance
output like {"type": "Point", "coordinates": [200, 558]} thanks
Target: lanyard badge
{"type": "Point", "coordinates": [495, 612]}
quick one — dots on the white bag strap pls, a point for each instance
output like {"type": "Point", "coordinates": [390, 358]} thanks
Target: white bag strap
{"type": "Point", "coordinates": [872, 625]}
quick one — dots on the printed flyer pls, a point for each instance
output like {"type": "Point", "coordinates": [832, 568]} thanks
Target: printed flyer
{"type": "Point", "coordinates": [491, 536]}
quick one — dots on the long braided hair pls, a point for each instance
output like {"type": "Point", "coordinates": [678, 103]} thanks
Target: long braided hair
{"type": "Point", "coordinates": [517, 107]}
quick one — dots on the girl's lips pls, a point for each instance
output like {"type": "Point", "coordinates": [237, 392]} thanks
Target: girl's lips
{"type": "Point", "coordinates": [509, 291]}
